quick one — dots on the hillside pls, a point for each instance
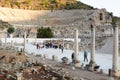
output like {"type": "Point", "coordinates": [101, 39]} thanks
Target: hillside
{"type": "Point", "coordinates": [44, 4]}
{"type": "Point", "coordinates": [4, 25]}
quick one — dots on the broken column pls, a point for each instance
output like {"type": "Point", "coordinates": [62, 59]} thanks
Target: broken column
{"type": "Point", "coordinates": [76, 45]}
{"type": "Point", "coordinates": [24, 41]}
{"type": "Point", "coordinates": [76, 61]}
{"type": "Point", "coordinates": [115, 62]}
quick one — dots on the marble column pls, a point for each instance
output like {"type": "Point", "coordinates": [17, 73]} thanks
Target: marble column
{"type": "Point", "coordinates": [35, 37]}
{"type": "Point", "coordinates": [115, 49]}
{"type": "Point", "coordinates": [63, 42]}
{"type": "Point", "coordinates": [24, 41]}
{"type": "Point", "coordinates": [5, 38]}
{"type": "Point", "coordinates": [76, 45]}
{"type": "Point", "coordinates": [93, 43]}
{"type": "Point", "coordinates": [1, 39]}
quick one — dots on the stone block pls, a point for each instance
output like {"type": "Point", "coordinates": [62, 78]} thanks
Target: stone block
{"type": "Point", "coordinates": [54, 58]}
{"type": "Point", "coordinates": [73, 68]}
{"type": "Point", "coordinates": [45, 56]}
{"type": "Point", "coordinates": [53, 78]}
{"type": "Point", "coordinates": [101, 71]}
{"type": "Point", "coordinates": [19, 76]}
{"type": "Point", "coordinates": [77, 65]}
{"type": "Point", "coordinates": [65, 60]}
{"type": "Point", "coordinates": [81, 79]}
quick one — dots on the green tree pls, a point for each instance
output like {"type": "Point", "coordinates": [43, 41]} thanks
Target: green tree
{"type": "Point", "coordinates": [10, 30]}
{"type": "Point", "coordinates": [44, 33]}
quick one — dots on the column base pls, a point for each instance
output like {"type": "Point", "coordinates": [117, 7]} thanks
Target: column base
{"type": "Point", "coordinates": [92, 66]}
{"type": "Point", "coordinates": [115, 73]}
{"type": "Point", "coordinates": [77, 64]}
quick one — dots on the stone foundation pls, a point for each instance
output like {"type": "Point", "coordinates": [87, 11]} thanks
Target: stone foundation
{"type": "Point", "coordinates": [115, 73]}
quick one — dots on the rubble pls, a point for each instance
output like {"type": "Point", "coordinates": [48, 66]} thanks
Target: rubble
{"type": "Point", "coordinates": [16, 66]}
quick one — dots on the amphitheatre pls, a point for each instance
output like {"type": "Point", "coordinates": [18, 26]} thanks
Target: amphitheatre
{"type": "Point", "coordinates": [60, 21]}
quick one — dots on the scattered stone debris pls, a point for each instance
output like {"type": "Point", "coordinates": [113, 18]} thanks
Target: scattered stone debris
{"type": "Point", "coordinates": [65, 60]}
{"type": "Point", "coordinates": [18, 66]}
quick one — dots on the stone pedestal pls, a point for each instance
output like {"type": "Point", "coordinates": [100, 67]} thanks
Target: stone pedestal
{"type": "Point", "coordinates": [92, 66]}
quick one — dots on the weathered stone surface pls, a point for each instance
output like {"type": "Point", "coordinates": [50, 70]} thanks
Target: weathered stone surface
{"type": "Point", "coordinates": [81, 79]}
{"type": "Point", "coordinates": [54, 58]}
{"type": "Point", "coordinates": [65, 60]}
{"type": "Point", "coordinates": [54, 78]}
{"type": "Point", "coordinates": [19, 76]}
{"type": "Point", "coordinates": [77, 65]}
{"type": "Point", "coordinates": [45, 56]}
{"type": "Point", "coordinates": [111, 78]}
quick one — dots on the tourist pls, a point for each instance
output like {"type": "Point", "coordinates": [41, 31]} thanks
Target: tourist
{"type": "Point", "coordinates": [72, 57]}
{"type": "Point", "coordinates": [62, 48]}
{"type": "Point", "coordinates": [85, 56]}
{"type": "Point", "coordinates": [37, 46]}
{"type": "Point", "coordinates": [40, 46]}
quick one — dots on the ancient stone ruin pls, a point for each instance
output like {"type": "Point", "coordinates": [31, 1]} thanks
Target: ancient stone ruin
{"type": "Point", "coordinates": [62, 23]}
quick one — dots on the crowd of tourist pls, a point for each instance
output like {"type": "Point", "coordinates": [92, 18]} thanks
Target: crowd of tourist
{"type": "Point", "coordinates": [50, 45]}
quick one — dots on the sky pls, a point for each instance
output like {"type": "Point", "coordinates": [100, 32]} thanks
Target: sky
{"type": "Point", "coordinates": [110, 5]}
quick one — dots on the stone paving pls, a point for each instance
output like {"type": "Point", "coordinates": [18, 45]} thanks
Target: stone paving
{"type": "Point", "coordinates": [78, 73]}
